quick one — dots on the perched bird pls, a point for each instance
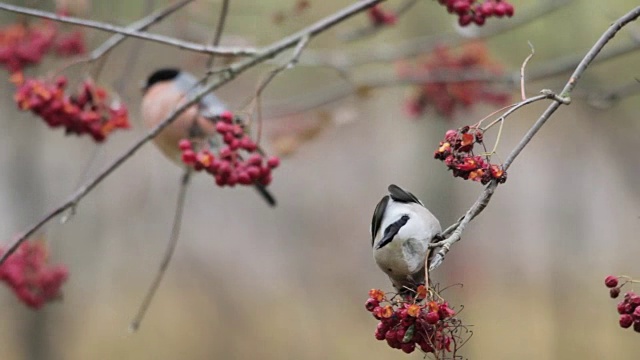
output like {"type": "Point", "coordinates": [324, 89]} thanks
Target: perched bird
{"type": "Point", "coordinates": [401, 230]}
{"type": "Point", "coordinates": [164, 90]}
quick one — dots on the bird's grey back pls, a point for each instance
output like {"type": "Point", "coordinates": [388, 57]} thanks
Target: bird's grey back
{"type": "Point", "coordinates": [210, 105]}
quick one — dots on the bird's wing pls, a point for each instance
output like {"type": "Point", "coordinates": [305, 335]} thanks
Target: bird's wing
{"type": "Point", "coordinates": [378, 214]}
{"type": "Point", "coordinates": [391, 231]}
{"type": "Point", "coordinates": [400, 195]}
{"type": "Point", "coordinates": [210, 105]}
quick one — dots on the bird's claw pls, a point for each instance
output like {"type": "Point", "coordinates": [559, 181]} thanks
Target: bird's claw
{"type": "Point", "coordinates": [439, 257]}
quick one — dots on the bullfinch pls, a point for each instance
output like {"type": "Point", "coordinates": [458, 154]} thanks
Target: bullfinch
{"type": "Point", "coordinates": [164, 90]}
{"type": "Point", "coordinates": [401, 230]}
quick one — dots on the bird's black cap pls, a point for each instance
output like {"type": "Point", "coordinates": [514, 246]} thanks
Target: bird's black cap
{"type": "Point", "coordinates": [165, 74]}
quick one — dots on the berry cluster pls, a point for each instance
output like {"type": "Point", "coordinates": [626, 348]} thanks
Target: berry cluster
{"type": "Point", "coordinates": [456, 151]}
{"type": "Point", "coordinates": [472, 11]}
{"type": "Point", "coordinates": [228, 166]}
{"type": "Point", "coordinates": [22, 45]}
{"type": "Point", "coordinates": [30, 277]}
{"type": "Point", "coordinates": [629, 307]}
{"type": "Point", "coordinates": [381, 17]}
{"type": "Point", "coordinates": [70, 44]}
{"type": "Point", "coordinates": [86, 112]}
{"type": "Point", "coordinates": [414, 321]}
{"type": "Point", "coordinates": [448, 95]}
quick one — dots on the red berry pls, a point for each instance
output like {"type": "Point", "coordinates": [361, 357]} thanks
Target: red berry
{"type": "Point", "coordinates": [226, 116]}
{"type": "Point", "coordinates": [222, 127]}
{"type": "Point", "coordinates": [465, 20]}
{"type": "Point", "coordinates": [626, 320]}
{"type": "Point", "coordinates": [636, 326]}
{"type": "Point", "coordinates": [188, 157]}
{"type": "Point", "coordinates": [248, 144]}
{"type": "Point", "coordinates": [432, 318]}
{"type": "Point", "coordinates": [244, 178]}
{"type": "Point", "coordinates": [611, 281]}
{"type": "Point", "coordinates": [408, 347]}
{"type": "Point", "coordinates": [379, 335]}
{"type": "Point", "coordinates": [273, 162]}
{"type": "Point", "coordinates": [622, 307]}
{"type": "Point", "coordinates": [184, 144]}
{"type": "Point", "coordinates": [508, 9]}
{"type": "Point", "coordinates": [636, 313]}
{"type": "Point", "coordinates": [255, 159]}
{"type": "Point", "coordinates": [371, 304]}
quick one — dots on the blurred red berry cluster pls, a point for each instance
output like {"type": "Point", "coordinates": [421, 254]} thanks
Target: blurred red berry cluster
{"type": "Point", "coordinates": [380, 17]}
{"type": "Point", "coordinates": [629, 307]}
{"type": "Point", "coordinates": [448, 95]}
{"type": "Point", "coordinates": [24, 44]}
{"type": "Point", "coordinates": [419, 320]}
{"type": "Point", "coordinates": [456, 151]}
{"type": "Point", "coordinates": [477, 12]}
{"type": "Point", "coordinates": [31, 278]}
{"type": "Point", "coordinates": [85, 112]}
{"type": "Point", "coordinates": [228, 166]}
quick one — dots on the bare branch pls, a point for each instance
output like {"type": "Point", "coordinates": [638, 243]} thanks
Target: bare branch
{"type": "Point", "coordinates": [219, 28]}
{"type": "Point", "coordinates": [233, 71]}
{"type": "Point", "coordinates": [323, 96]}
{"type": "Point", "coordinates": [424, 44]}
{"type": "Point", "coordinates": [372, 29]}
{"type": "Point", "coordinates": [139, 25]}
{"type": "Point", "coordinates": [564, 98]}
{"type": "Point", "coordinates": [171, 247]}
{"type": "Point", "coordinates": [181, 44]}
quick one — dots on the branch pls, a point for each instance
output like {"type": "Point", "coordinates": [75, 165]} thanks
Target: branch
{"type": "Point", "coordinates": [168, 254]}
{"type": "Point", "coordinates": [425, 44]}
{"type": "Point", "coordinates": [311, 100]}
{"type": "Point", "coordinates": [139, 25]}
{"type": "Point", "coordinates": [372, 29]}
{"type": "Point", "coordinates": [234, 70]}
{"type": "Point", "coordinates": [181, 44]}
{"type": "Point", "coordinates": [564, 98]}
{"type": "Point", "coordinates": [219, 29]}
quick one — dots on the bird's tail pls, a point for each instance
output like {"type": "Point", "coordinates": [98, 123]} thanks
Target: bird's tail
{"type": "Point", "coordinates": [266, 195]}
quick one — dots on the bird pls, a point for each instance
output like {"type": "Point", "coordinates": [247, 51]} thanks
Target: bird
{"type": "Point", "coordinates": [401, 230]}
{"type": "Point", "coordinates": [164, 90]}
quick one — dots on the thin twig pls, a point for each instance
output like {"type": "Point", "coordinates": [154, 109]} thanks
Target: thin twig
{"type": "Point", "coordinates": [134, 54]}
{"type": "Point", "coordinates": [171, 247]}
{"type": "Point", "coordinates": [323, 96]}
{"type": "Point", "coordinates": [181, 44]}
{"type": "Point", "coordinates": [425, 44]}
{"type": "Point", "coordinates": [372, 29]}
{"type": "Point", "coordinates": [523, 93]}
{"type": "Point", "coordinates": [272, 74]}
{"type": "Point", "coordinates": [233, 71]}
{"type": "Point", "coordinates": [564, 98]}
{"type": "Point", "coordinates": [219, 28]}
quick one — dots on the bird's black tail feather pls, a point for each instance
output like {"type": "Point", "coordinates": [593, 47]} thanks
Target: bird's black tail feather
{"type": "Point", "coordinates": [266, 195]}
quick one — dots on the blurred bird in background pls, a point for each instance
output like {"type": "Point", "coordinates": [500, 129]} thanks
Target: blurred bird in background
{"type": "Point", "coordinates": [401, 230]}
{"type": "Point", "coordinates": [164, 90]}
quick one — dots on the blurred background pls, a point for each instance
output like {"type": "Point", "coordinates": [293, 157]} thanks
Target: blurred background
{"type": "Point", "coordinates": [251, 282]}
